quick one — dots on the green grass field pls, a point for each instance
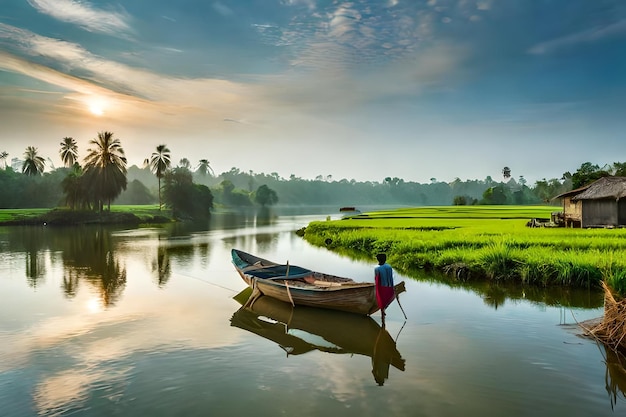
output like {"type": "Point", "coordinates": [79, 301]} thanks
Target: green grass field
{"type": "Point", "coordinates": [9, 215]}
{"type": "Point", "coordinates": [142, 212]}
{"type": "Point", "coordinates": [482, 242]}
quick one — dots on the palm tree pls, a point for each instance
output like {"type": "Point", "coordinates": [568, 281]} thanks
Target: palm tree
{"type": "Point", "coordinates": [185, 163]}
{"type": "Point", "coordinates": [3, 156]}
{"type": "Point", "coordinates": [74, 187]}
{"type": "Point", "coordinates": [33, 163]}
{"type": "Point", "coordinates": [159, 163]}
{"type": "Point", "coordinates": [204, 167]}
{"type": "Point", "coordinates": [105, 169]}
{"type": "Point", "coordinates": [69, 151]}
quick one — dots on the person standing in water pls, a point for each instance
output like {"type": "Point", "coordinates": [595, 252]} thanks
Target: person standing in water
{"type": "Point", "coordinates": [383, 277]}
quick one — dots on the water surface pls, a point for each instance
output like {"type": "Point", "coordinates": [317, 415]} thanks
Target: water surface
{"type": "Point", "coordinates": [105, 321]}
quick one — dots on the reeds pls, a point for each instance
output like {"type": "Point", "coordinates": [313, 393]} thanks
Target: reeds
{"type": "Point", "coordinates": [611, 331]}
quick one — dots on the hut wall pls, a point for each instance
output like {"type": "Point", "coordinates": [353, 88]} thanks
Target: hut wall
{"type": "Point", "coordinates": [572, 211]}
{"type": "Point", "coordinates": [599, 213]}
{"type": "Point", "coordinates": [573, 208]}
{"type": "Point", "coordinates": [621, 212]}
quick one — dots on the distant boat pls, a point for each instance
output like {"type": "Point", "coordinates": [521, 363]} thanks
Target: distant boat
{"type": "Point", "coordinates": [301, 286]}
{"type": "Point", "coordinates": [349, 211]}
{"type": "Point", "coordinates": [304, 329]}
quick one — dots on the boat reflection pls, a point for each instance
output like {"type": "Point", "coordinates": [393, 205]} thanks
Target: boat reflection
{"type": "Point", "coordinates": [302, 329]}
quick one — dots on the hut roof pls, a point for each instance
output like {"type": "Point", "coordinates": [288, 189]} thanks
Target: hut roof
{"type": "Point", "coordinates": [606, 187]}
{"type": "Point", "coordinates": [572, 192]}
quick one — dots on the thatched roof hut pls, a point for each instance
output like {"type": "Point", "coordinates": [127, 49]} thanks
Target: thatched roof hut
{"type": "Point", "coordinates": [572, 210]}
{"type": "Point", "coordinates": [599, 204]}
{"type": "Point", "coordinates": [604, 188]}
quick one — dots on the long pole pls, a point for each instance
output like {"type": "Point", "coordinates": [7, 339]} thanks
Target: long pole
{"type": "Point", "coordinates": [398, 300]}
{"type": "Point", "coordinates": [287, 285]}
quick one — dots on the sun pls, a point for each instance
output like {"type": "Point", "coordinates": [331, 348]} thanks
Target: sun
{"type": "Point", "coordinates": [96, 109]}
{"type": "Point", "coordinates": [96, 106]}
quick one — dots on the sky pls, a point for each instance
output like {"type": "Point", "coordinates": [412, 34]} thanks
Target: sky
{"type": "Point", "coordinates": [363, 90]}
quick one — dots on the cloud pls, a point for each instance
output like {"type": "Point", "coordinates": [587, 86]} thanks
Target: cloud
{"type": "Point", "coordinates": [222, 9]}
{"type": "Point", "coordinates": [347, 37]}
{"type": "Point", "coordinates": [134, 94]}
{"type": "Point", "coordinates": [69, 56]}
{"type": "Point", "coordinates": [343, 23]}
{"type": "Point", "coordinates": [230, 120]}
{"type": "Point", "coordinates": [308, 3]}
{"type": "Point", "coordinates": [341, 58]}
{"type": "Point", "coordinates": [17, 65]}
{"type": "Point", "coordinates": [587, 36]}
{"type": "Point", "coordinates": [328, 91]}
{"type": "Point", "coordinates": [484, 4]}
{"type": "Point", "coordinates": [84, 15]}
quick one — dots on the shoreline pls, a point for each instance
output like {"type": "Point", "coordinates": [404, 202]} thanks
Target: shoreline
{"type": "Point", "coordinates": [480, 243]}
{"type": "Point", "coordinates": [66, 217]}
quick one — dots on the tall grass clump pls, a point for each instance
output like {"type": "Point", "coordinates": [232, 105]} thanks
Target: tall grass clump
{"type": "Point", "coordinates": [535, 270]}
{"type": "Point", "coordinates": [617, 280]}
{"type": "Point", "coordinates": [499, 261]}
{"type": "Point", "coordinates": [614, 273]}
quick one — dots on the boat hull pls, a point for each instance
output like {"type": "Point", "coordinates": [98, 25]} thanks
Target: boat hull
{"type": "Point", "coordinates": [360, 300]}
{"type": "Point", "coordinates": [327, 291]}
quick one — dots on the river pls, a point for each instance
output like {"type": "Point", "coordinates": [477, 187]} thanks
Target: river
{"type": "Point", "coordinates": [109, 321]}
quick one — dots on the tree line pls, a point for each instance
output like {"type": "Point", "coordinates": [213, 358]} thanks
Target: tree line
{"type": "Point", "coordinates": [104, 178]}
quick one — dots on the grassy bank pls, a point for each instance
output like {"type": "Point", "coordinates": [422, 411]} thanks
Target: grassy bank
{"type": "Point", "coordinates": [127, 214]}
{"type": "Point", "coordinates": [11, 216]}
{"type": "Point", "coordinates": [482, 242]}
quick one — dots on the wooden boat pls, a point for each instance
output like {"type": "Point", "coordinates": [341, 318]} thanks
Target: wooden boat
{"type": "Point", "coordinates": [302, 286]}
{"type": "Point", "coordinates": [347, 212]}
{"type": "Point", "coordinates": [304, 329]}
